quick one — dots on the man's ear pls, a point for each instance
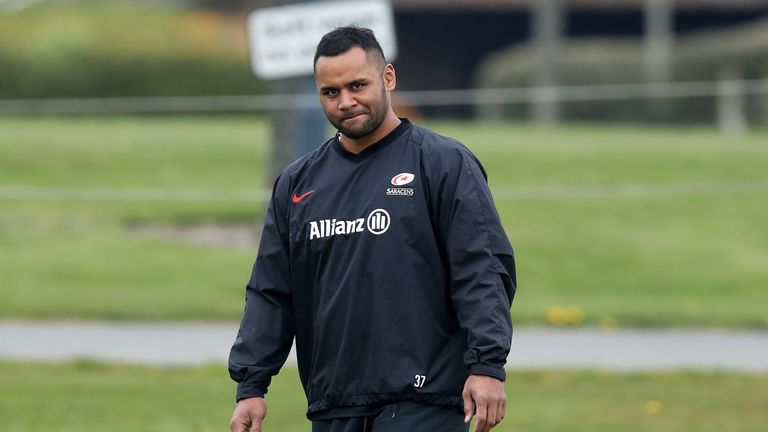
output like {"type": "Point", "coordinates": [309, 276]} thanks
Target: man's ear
{"type": "Point", "coordinates": [390, 79]}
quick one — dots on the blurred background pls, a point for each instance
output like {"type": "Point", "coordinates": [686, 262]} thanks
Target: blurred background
{"type": "Point", "coordinates": [626, 143]}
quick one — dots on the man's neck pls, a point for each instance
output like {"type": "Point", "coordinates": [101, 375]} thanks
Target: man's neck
{"type": "Point", "coordinates": [356, 145]}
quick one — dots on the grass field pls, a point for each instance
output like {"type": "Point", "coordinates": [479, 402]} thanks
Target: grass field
{"type": "Point", "coordinates": [629, 226]}
{"type": "Point", "coordinates": [93, 397]}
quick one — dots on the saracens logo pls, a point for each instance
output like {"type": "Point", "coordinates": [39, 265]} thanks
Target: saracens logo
{"type": "Point", "coordinates": [402, 179]}
{"type": "Point", "coordinates": [377, 223]}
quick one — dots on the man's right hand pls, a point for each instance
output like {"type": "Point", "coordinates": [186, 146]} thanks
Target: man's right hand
{"type": "Point", "coordinates": [249, 413]}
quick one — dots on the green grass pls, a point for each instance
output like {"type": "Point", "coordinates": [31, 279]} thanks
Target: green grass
{"type": "Point", "coordinates": [696, 257]}
{"type": "Point", "coordinates": [93, 397]}
{"type": "Point", "coordinates": [687, 259]}
{"type": "Point", "coordinates": [72, 258]}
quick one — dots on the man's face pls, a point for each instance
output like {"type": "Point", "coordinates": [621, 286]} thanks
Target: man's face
{"type": "Point", "coordinates": [353, 91]}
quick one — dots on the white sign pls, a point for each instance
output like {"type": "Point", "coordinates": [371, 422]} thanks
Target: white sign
{"type": "Point", "coordinates": [283, 39]}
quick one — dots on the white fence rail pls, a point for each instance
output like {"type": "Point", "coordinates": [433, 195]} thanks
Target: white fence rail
{"type": "Point", "coordinates": [495, 96]}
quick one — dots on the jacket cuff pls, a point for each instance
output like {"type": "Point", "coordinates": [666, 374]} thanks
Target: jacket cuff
{"type": "Point", "coordinates": [492, 371]}
{"type": "Point", "coordinates": [249, 391]}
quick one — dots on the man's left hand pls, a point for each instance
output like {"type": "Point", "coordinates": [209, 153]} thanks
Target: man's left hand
{"type": "Point", "coordinates": [484, 397]}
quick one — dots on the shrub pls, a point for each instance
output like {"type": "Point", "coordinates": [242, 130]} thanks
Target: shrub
{"type": "Point", "coordinates": [115, 51]}
{"type": "Point", "coordinates": [698, 57]}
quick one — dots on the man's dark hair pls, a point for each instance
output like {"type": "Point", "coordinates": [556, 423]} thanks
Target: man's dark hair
{"type": "Point", "coordinates": [342, 39]}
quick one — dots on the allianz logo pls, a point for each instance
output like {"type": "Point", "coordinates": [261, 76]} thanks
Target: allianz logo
{"type": "Point", "coordinates": [376, 223]}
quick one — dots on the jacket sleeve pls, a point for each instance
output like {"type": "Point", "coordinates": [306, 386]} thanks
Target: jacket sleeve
{"type": "Point", "coordinates": [479, 256]}
{"type": "Point", "coordinates": [267, 326]}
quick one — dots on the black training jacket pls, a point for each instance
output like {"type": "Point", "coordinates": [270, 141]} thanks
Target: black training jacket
{"type": "Point", "coordinates": [390, 268]}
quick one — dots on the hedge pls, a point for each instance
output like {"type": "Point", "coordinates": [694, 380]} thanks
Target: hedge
{"type": "Point", "coordinates": [117, 50]}
{"type": "Point", "coordinates": [697, 57]}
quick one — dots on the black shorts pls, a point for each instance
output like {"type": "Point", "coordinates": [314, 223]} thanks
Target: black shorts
{"type": "Point", "coordinates": [399, 417]}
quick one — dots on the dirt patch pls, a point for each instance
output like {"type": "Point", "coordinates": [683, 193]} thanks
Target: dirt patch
{"type": "Point", "coordinates": [227, 236]}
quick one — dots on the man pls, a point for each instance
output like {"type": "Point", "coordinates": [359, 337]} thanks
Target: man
{"type": "Point", "coordinates": [383, 255]}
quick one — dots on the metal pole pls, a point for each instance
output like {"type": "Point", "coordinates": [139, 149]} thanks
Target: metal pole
{"type": "Point", "coordinates": [313, 127]}
{"type": "Point", "coordinates": [657, 60]}
{"type": "Point", "coordinates": [311, 121]}
{"type": "Point", "coordinates": [548, 28]}
{"type": "Point", "coordinates": [730, 103]}
{"type": "Point", "coordinates": [658, 40]}
{"type": "Point", "coordinates": [298, 131]}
